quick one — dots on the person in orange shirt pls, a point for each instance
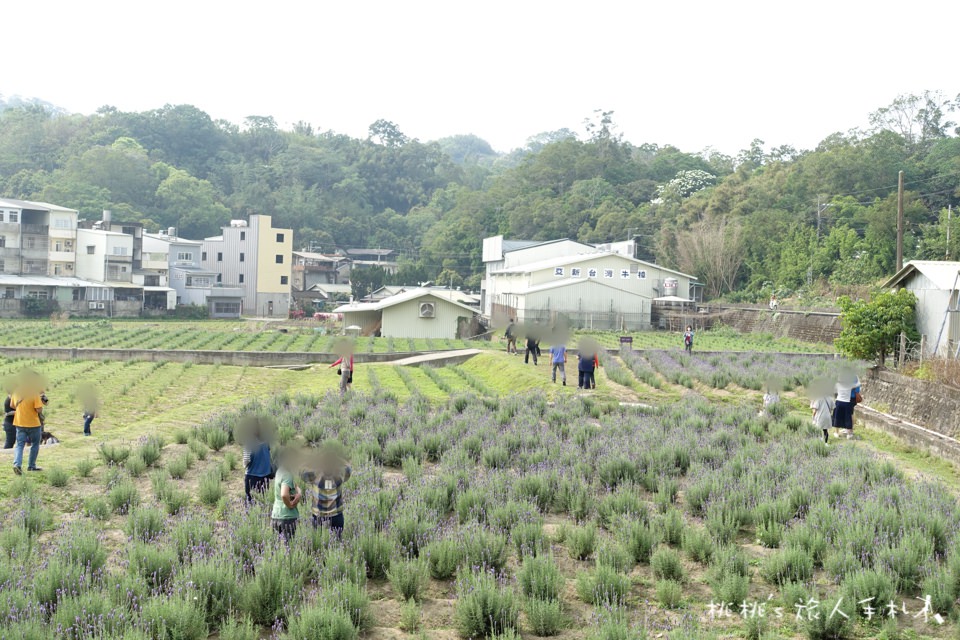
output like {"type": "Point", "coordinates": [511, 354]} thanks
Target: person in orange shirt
{"type": "Point", "coordinates": [27, 403]}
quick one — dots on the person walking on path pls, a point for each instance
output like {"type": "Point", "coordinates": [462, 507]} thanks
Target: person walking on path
{"type": "Point", "coordinates": [325, 493]}
{"type": "Point", "coordinates": [28, 402]}
{"type": "Point", "coordinates": [286, 497]}
{"type": "Point", "coordinates": [688, 339]}
{"type": "Point", "coordinates": [257, 463]}
{"type": "Point", "coordinates": [90, 405]}
{"type": "Point", "coordinates": [846, 386]}
{"type": "Point", "coordinates": [9, 431]}
{"type": "Point", "coordinates": [511, 335]}
{"type": "Point", "coordinates": [558, 360]}
{"type": "Point", "coordinates": [585, 366]}
{"type": "Point", "coordinates": [532, 346]}
{"type": "Point", "coordinates": [345, 371]}
{"type": "Point", "coordinates": [822, 406]}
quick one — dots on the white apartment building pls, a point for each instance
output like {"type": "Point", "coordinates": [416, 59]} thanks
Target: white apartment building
{"type": "Point", "coordinates": [256, 257]}
{"type": "Point", "coordinates": [37, 238]}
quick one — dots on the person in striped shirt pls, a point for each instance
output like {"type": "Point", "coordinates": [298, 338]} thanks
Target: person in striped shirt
{"type": "Point", "coordinates": [325, 491]}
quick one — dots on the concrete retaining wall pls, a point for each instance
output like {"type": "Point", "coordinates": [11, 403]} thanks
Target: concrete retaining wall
{"type": "Point", "coordinates": [809, 326]}
{"type": "Point", "coordinates": [928, 404]}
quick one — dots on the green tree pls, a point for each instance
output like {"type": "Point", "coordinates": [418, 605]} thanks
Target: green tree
{"type": "Point", "coordinates": [872, 329]}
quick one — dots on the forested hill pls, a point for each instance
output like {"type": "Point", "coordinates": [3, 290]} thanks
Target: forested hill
{"type": "Point", "coordinates": [766, 219]}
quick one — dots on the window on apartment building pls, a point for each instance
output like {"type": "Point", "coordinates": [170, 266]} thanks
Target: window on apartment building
{"type": "Point", "coordinates": [203, 255]}
{"type": "Point", "coordinates": [58, 246]}
{"type": "Point", "coordinates": [279, 237]}
{"type": "Point", "coordinates": [3, 266]}
{"type": "Point", "coordinates": [1, 216]}
{"type": "Point", "coordinates": [186, 256]}
{"type": "Point", "coordinates": [57, 270]}
{"type": "Point", "coordinates": [31, 243]}
{"type": "Point", "coordinates": [279, 258]}
{"type": "Point", "coordinates": [241, 278]}
{"type": "Point", "coordinates": [284, 280]}
{"type": "Point", "coordinates": [219, 278]}
{"type": "Point", "coordinates": [226, 307]}
{"type": "Point", "coordinates": [119, 251]}
{"type": "Point", "coordinates": [219, 257]}
{"type": "Point", "coordinates": [9, 293]}
{"type": "Point", "coordinates": [3, 241]}
{"type": "Point", "coordinates": [241, 257]}
{"type": "Point", "coordinates": [13, 216]}
{"type": "Point", "coordinates": [91, 249]}
{"type": "Point", "coordinates": [61, 223]}
{"type": "Point", "coordinates": [243, 235]}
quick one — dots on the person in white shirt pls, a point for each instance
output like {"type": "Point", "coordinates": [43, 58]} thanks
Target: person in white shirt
{"type": "Point", "coordinates": [846, 389]}
{"type": "Point", "coordinates": [822, 406]}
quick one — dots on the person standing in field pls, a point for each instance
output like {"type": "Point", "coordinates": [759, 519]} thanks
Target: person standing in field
{"type": "Point", "coordinates": [558, 360]}
{"type": "Point", "coordinates": [511, 335]}
{"type": "Point", "coordinates": [325, 492]}
{"type": "Point", "coordinates": [847, 382]}
{"type": "Point", "coordinates": [9, 431]}
{"type": "Point", "coordinates": [586, 362]}
{"type": "Point", "coordinates": [257, 463]}
{"type": "Point", "coordinates": [688, 339]}
{"type": "Point", "coordinates": [533, 346]}
{"type": "Point", "coordinates": [28, 402]}
{"type": "Point", "coordinates": [88, 399]}
{"type": "Point", "coordinates": [822, 406]}
{"type": "Point", "coordinates": [346, 369]}
{"type": "Point", "coordinates": [286, 497]}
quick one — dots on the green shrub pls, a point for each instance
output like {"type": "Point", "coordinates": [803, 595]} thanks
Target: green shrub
{"type": "Point", "coordinates": [669, 593]}
{"type": "Point", "coordinates": [151, 449]}
{"type": "Point", "coordinates": [97, 507]}
{"type": "Point", "coordinates": [410, 615]}
{"type": "Point", "coordinates": [870, 584]}
{"type": "Point", "coordinates": [731, 589]}
{"type": "Point", "coordinates": [529, 539]}
{"type": "Point", "coordinates": [174, 500]}
{"type": "Point", "coordinates": [615, 556]}
{"type": "Point", "coordinates": [484, 548]}
{"type": "Point", "coordinates": [788, 565]}
{"type": "Point", "coordinates": [581, 541]}
{"type": "Point", "coordinates": [211, 487]}
{"type": "Point", "coordinates": [145, 523]}
{"type": "Point", "coordinates": [76, 615]}
{"type": "Point", "coordinates": [321, 621]}
{"type": "Point", "coordinates": [85, 467]}
{"type": "Point", "coordinates": [443, 558]}
{"type": "Point", "coordinates": [666, 564]}
{"type": "Point", "coordinates": [940, 586]}
{"type": "Point", "coordinates": [113, 454]}
{"type": "Point", "coordinates": [409, 578]}
{"type": "Point", "coordinates": [671, 527]}
{"type": "Point", "coordinates": [189, 533]}
{"type": "Point", "coordinates": [154, 563]}
{"type": "Point", "coordinates": [540, 578]}
{"type": "Point", "coordinates": [123, 496]}
{"type": "Point", "coordinates": [58, 476]}
{"type": "Point", "coordinates": [545, 617]}
{"type": "Point", "coordinates": [375, 551]}
{"type": "Point", "coordinates": [216, 438]}
{"type": "Point", "coordinates": [619, 503]}
{"type": "Point", "coordinates": [81, 546]}
{"type": "Point", "coordinates": [697, 544]}
{"type": "Point", "coordinates": [639, 539]}
{"type": "Point", "coordinates": [484, 607]}
{"type": "Point", "coordinates": [181, 436]}
{"type": "Point", "coordinates": [242, 629]}
{"type": "Point", "coordinates": [770, 533]}
{"type": "Point", "coordinates": [135, 466]}
{"type": "Point", "coordinates": [57, 578]}
{"type": "Point", "coordinates": [230, 461]}
{"type": "Point", "coordinates": [215, 582]}
{"type": "Point", "coordinates": [603, 587]}
{"type": "Point", "coordinates": [175, 617]}
{"type": "Point", "coordinates": [830, 627]}
{"type": "Point", "coordinates": [273, 593]}
{"type": "Point", "coordinates": [199, 449]}
{"type": "Point", "coordinates": [177, 468]}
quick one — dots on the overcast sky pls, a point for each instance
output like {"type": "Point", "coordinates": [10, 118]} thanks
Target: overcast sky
{"type": "Point", "coordinates": [693, 74]}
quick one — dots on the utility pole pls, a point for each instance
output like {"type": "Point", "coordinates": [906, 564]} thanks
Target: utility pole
{"type": "Point", "coordinates": [900, 221]}
{"type": "Point", "coordinates": [949, 216]}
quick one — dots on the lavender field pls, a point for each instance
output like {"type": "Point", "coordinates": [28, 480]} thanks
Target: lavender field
{"type": "Point", "coordinates": [495, 517]}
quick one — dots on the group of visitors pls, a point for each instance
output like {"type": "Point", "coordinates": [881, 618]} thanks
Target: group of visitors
{"type": "Point", "coordinates": [24, 420]}
{"type": "Point", "coordinates": [832, 404]}
{"type": "Point", "coordinates": [321, 472]}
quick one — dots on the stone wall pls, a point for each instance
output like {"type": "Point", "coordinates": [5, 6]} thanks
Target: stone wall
{"type": "Point", "coordinates": [809, 326]}
{"type": "Point", "coordinates": [933, 406]}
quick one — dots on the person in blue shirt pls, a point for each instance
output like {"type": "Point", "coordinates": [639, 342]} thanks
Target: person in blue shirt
{"type": "Point", "coordinates": [257, 462]}
{"type": "Point", "coordinates": [558, 360]}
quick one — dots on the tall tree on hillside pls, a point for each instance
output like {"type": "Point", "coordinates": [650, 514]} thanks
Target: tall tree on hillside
{"type": "Point", "coordinates": [712, 250]}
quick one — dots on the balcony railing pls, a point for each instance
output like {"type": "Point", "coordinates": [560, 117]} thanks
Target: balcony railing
{"type": "Point", "coordinates": [35, 229]}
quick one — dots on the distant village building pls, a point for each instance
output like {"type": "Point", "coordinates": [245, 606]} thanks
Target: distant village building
{"type": "Point", "coordinates": [309, 269]}
{"type": "Point", "coordinates": [256, 257]}
{"type": "Point", "coordinates": [936, 284]}
{"type": "Point", "coordinates": [585, 286]}
{"type": "Point", "coordinates": [417, 313]}
{"type": "Point", "coordinates": [384, 258]}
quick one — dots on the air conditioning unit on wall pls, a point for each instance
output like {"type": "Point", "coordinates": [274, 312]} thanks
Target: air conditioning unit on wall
{"type": "Point", "coordinates": [92, 305]}
{"type": "Point", "coordinates": [427, 310]}
{"type": "Point", "coordinates": [101, 305]}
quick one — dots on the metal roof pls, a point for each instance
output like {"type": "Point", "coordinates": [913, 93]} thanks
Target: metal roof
{"type": "Point", "coordinates": [943, 274]}
{"type": "Point", "coordinates": [370, 252]}
{"type": "Point", "coordinates": [11, 280]}
{"type": "Point", "coordinates": [580, 257]}
{"type": "Point", "coordinates": [32, 205]}
{"type": "Point", "coordinates": [400, 298]}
